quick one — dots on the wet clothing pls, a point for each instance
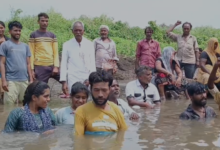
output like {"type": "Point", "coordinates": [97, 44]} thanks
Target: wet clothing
{"type": "Point", "coordinates": [190, 114]}
{"type": "Point", "coordinates": [16, 119]}
{"type": "Point", "coordinates": [65, 115]}
{"type": "Point", "coordinates": [125, 108]}
{"type": "Point", "coordinates": [148, 52]}
{"type": "Point", "coordinates": [136, 90]}
{"type": "Point", "coordinates": [89, 118]}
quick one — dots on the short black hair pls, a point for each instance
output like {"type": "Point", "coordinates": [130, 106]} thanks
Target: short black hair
{"type": "Point", "coordinates": [14, 24]}
{"type": "Point", "coordinates": [141, 70]}
{"type": "Point", "coordinates": [200, 49]}
{"type": "Point", "coordinates": [188, 24]}
{"type": "Point", "coordinates": [2, 23]}
{"type": "Point", "coordinates": [100, 76]}
{"type": "Point", "coordinates": [148, 28]}
{"type": "Point", "coordinates": [195, 88]}
{"type": "Point", "coordinates": [77, 88]}
{"type": "Point", "coordinates": [42, 15]}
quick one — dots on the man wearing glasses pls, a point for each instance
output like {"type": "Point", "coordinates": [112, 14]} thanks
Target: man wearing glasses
{"type": "Point", "coordinates": [141, 92]}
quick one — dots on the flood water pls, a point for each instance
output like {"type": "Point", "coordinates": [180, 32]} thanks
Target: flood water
{"type": "Point", "coordinates": [158, 129]}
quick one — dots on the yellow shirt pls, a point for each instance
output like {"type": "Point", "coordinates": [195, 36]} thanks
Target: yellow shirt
{"type": "Point", "coordinates": [90, 118]}
{"type": "Point", "coordinates": [44, 49]}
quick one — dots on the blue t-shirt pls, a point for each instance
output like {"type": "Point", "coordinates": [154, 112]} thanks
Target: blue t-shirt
{"type": "Point", "coordinates": [16, 60]}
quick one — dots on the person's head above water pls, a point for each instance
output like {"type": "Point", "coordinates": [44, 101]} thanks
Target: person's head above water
{"type": "Point", "coordinates": [114, 90]}
{"type": "Point", "coordinates": [197, 93]}
{"type": "Point", "coordinates": [79, 94]}
{"type": "Point", "coordinates": [144, 74]}
{"type": "Point", "coordinates": [100, 83]}
{"type": "Point", "coordinates": [37, 93]}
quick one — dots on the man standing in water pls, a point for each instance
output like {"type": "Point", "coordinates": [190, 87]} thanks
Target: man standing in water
{"type": "Point", "coordinates": [99, 116]}
{"type": "Point", "coordinates": [78, 58]}
{"type": "Point", "coordinates": [105, 51]}
{"type": "Point", "coordinates": [44, 50]}
{"type": "Point", "coordinates": [124, 107]}
{"type": "Point", "coordinates": [15, 65]}
{"type": "Point", "coordinates": [141, 92]}
{"type": "Point", "coordinates": [197, 109]}
{"type": "Point", "coordinates": [188, 49]}
{"type": "Point", "coordinates": [148, 50]}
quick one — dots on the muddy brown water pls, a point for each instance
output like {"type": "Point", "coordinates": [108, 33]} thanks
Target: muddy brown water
{"type": "Point", "coordinates": [158, 129]}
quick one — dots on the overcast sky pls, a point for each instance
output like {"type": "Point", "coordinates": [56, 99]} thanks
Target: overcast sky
{"type": "Point", "coordinates": [135, 12]}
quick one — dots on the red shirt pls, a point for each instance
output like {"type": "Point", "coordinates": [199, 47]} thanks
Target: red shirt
{"type": "Point", "coordinates": [148, 52]}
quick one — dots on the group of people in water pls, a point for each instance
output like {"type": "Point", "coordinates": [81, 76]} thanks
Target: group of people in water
{"type": "Point", "coordinates": [87, 69]}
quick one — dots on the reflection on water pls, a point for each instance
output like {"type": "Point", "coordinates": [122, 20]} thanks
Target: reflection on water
{"type": "Point", "coordinates": [158, 129]}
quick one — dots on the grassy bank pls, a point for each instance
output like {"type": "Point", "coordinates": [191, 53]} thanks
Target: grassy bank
{"type": "Point", "coordinates": [125, 37]}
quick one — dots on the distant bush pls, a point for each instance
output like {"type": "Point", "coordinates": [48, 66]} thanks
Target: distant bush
{"type": "Point", "coordinates": [125, 37]}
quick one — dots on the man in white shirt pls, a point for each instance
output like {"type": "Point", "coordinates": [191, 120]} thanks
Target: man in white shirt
{"type": "Point", "coordinates": [141, 92]}
{"type": "Point", "coordinates": [124, 107]}
{"type": "Point", "coordinates": [78, 58]}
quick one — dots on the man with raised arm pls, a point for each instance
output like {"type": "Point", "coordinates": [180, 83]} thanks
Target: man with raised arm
{"type": "Point", "coordinates": [188, 49]}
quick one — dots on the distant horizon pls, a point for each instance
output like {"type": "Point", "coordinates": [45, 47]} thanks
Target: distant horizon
{"type": "Point", "coordinates": [136, 14]}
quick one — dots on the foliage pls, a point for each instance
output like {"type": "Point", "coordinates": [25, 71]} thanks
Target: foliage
{"type": "Point", "coordinates": [125, 37]}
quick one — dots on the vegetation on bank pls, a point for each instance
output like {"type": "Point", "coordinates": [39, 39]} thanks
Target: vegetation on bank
{"type": "Point", "coordinates": [125, 37]}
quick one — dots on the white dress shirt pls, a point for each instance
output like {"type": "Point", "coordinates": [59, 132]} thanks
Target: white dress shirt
{"type": "Point", "coordinates": [78, 61]}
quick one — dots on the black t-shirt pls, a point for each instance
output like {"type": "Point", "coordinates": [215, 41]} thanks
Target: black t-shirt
{"type": "Point", "coordinates": [204, 55]}
{"type": "Point", "coordinates": [173, 63]}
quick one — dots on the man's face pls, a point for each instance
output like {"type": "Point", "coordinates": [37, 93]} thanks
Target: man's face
{"type": "Point", "coordinates": [115, 89]}
{"type": "Point", "coordinates": [43, 22]}
{"type": "Point", "coordinates": [199, 99]}
{"type": "Point", "coordinates": [100, 93]}
{"type": "Point", "coordinates": [186, 29]}
{"type": "Point", "coordinates": [78, 31]}
{"type": "Point", "coordinates": [15, 33]}
{"type": "Point", "coordinates": [104, 33]}
{"type": "Point", "coordinates": [146, 77]}
{"type": "Point", "coordinates": [149, 34]}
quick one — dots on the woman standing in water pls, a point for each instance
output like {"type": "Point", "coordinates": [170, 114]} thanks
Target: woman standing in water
{"type": "Point", "coordinates": [3, 38]}
{"type": "Point", "coordinates": [79, 95]}
{"type": "Point", "coordinates": [34, 116]}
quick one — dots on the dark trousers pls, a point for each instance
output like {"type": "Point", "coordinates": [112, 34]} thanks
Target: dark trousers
{"type": "Point", "coordinates": [189, 69]}
{"type": "Point", "coordinates": [110, 71]}
{"type": "Point", "coordinates": [44, 73]}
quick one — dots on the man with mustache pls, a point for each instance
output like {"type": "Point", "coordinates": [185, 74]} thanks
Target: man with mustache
{"type": "Point", "coordinates": [78, 58]}
{"type": "Point", "coordinates": [124, 107]}
{"type": "Point", "coordinates": [15, 65]}
{"type": "Point", "coordinates": [197, 109]}
{"type": "Point", "coordinates": [99, 116]}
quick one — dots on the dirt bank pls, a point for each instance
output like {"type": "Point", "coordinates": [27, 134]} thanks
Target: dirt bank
{"type": "Point", "coordinates": [125, 68]}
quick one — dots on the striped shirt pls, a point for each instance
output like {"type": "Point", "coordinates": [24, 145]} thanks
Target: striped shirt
{"type": "Point", "coordinates": [44, 49]}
